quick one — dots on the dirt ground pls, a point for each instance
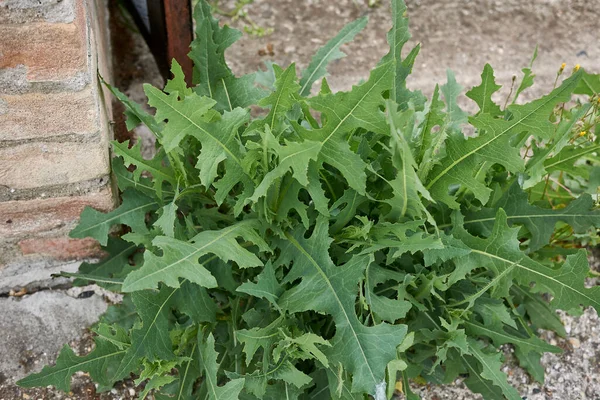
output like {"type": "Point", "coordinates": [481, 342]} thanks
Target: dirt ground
{"type": "Point", "coordinates": [462, 35]}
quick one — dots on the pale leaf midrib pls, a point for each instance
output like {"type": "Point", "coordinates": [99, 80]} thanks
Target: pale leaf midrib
{"type": "Point", "coordinates": [280, 93]}
{"type": "Point", "coordinates": [227, 94]}
{"type": "Point", "coordinates": [501, 134]}
{"type": "Point", "coordinates": [95, 278]}
{"type": "Point", "coordinates": [340, 305]}
{"type": "Point", "coordinates": [219, 142]}
{"type": "Point", "coordinates": [140, 345]}
{"type": "Point", "coordinates": [303, 150]}
{"type": "Point", "coordinates": [485, 85]}
{"type": "Point", "coordinates": [78, 366]}
{"type": "Point", "coordinates": [370, 89]}
{"type": "Point", "coordinates": [532, 216]}
{"type": "Point", "coordinates": [338, 43]}
{"type": "Point", "coordinates": [183, 378]}
{"type": "Point", "coordinates": [504, 383]}
{"type": "Point", "coordinates": [511, 339]}
{"type": "Point", "coordinates": [208, 377]}
{"type": "Point", "coordinates": [141, 162]}
{"type": "Point", "coordinates": [563, 285]}
{"type": "Point", "coordinates": [118, 216]}
{"type": "Point", "coordinates": [577, 155]}
{"type": "Point", "coordinates": [195, 252]}
{"type": "Point", "coordinates": [476, 375]}
{"type": "Point", "coordinates": [125, 178]}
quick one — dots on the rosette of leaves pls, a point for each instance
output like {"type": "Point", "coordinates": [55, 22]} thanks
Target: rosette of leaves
{"type": "Point", "coordinates": [339, 242]}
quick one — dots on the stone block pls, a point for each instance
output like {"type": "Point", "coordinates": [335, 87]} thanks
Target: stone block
{"type": "Point", "coordinates": [32, 217]}
{"type": "Point", "coordinates": [42, 115]}
{"type": "Point", "coordinates": [35, 165]}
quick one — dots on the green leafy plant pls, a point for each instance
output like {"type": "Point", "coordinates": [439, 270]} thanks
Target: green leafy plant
{"type": "Point", "coordinates": [335, 244]}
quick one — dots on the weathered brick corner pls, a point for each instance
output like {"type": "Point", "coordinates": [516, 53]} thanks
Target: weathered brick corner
{"type": "Point", "coordinates": [54, 132]}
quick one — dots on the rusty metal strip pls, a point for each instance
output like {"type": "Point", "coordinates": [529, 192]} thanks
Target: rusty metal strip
{"type": "Point", "coordinates": [170, 32]}
{"type": "Point", "coordinates": [179, 31]}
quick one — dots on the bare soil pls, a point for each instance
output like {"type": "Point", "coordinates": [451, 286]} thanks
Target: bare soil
{"type": "Point", "coordinates": [461, 35]}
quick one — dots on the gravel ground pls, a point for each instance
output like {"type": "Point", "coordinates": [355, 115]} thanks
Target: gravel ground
{"type": "Point", "coordinates": [573, 374]}
{"type": "Point", "coordinates": [461, 35]}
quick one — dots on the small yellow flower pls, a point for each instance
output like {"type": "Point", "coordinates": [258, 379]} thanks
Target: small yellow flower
{"type": "Point", "coordinates": [562, 67]}
{"type": "Point", "coordinates": [576, 68]}
{"type": "Point", "coordinates": [582, 133]}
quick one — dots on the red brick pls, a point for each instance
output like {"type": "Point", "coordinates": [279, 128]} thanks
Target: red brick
{"type": "Point", "coordinates": [30, 217]}
{"type": "Point", "coordinates": [39, 115]}
{"type": "Point", "coordinates": [33, 165]}
{"type": "Point", "coordinates": [50, 51]}
{"type": "Point", "coordinates": [62, 248]}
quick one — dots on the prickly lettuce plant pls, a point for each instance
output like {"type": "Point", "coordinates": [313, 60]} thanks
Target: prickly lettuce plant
{"type": "Point", "coordinates": [338, 243]}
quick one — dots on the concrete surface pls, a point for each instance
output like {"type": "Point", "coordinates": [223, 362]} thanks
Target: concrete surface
{"type": "Point", "coordinates": [33, 275]}
{"type": "Point", "coordinates": [34, 327]}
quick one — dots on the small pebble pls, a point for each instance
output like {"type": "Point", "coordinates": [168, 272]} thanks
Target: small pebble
{"type": "Point", "coordinates": [575, 343]}
{"type": "Point", "coordinates": [131, 392]}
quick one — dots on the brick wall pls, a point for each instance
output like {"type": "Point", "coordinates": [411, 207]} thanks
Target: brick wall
{"type": "Point", "coordinates": [54, 132]}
